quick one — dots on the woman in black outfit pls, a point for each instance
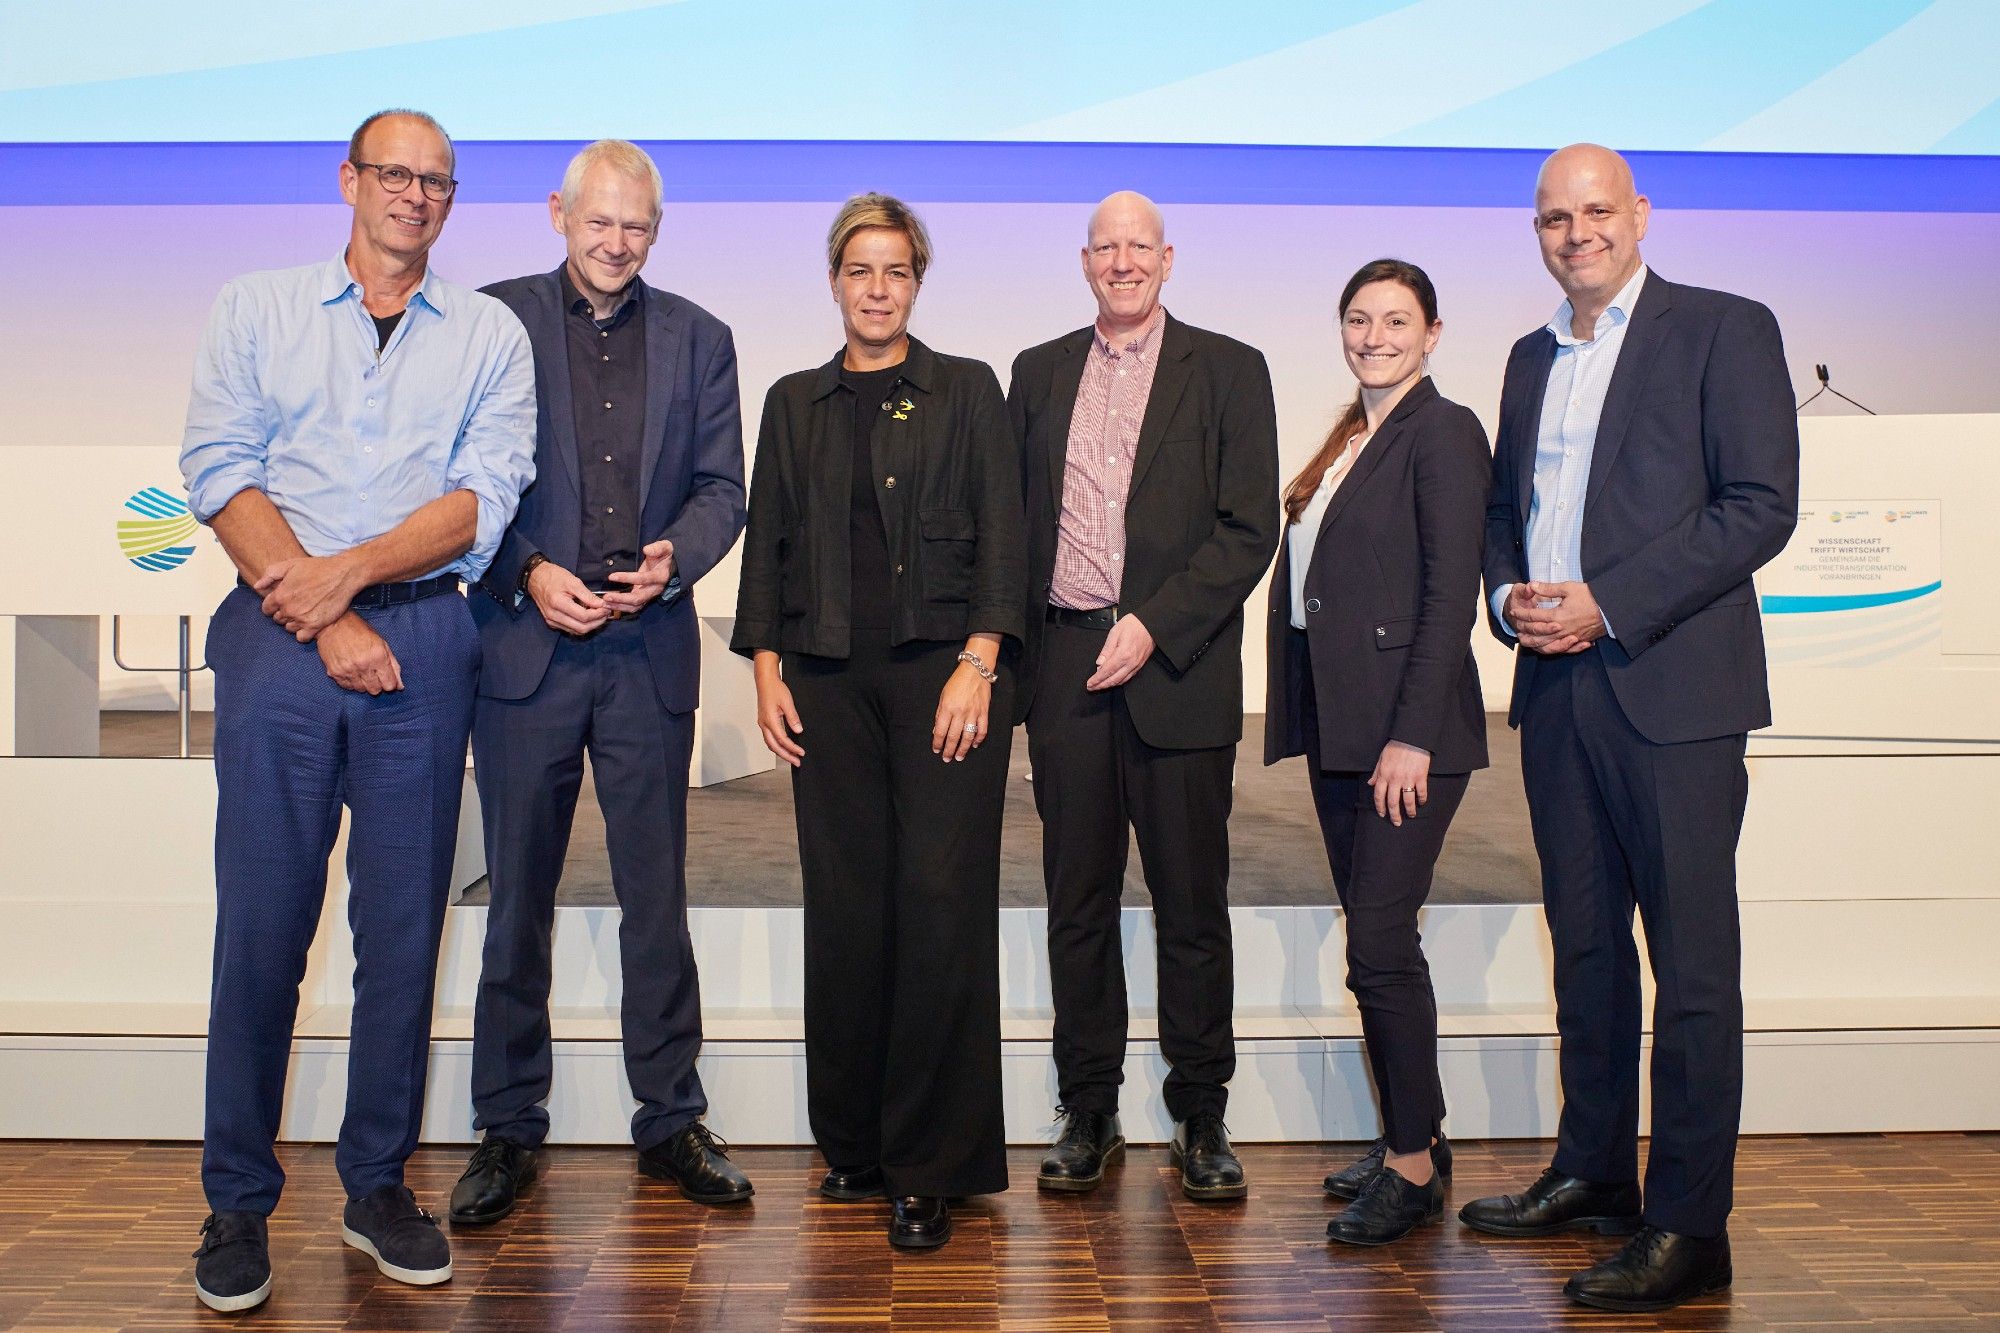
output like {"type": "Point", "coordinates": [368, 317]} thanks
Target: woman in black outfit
{"type": "Point", "coordinates": [1372, 679]}
{"type": "Point", "coordinates": [882, 582]}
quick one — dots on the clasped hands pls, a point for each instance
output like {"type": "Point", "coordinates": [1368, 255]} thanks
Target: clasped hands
{"type": "Point", "coordinates": [571, 608]}
{"type": "Point", "coordinates": [310, 597]}
{"type": "Point", "coordinates": [1554, 618]}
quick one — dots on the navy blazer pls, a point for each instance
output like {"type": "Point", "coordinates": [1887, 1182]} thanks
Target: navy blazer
{"type": "Point", "coordinates": [690, 488]}
{"type": "Point", "coordinates": [1392, 595]}
{"type": "Point", "coordinates": [1694, 485]}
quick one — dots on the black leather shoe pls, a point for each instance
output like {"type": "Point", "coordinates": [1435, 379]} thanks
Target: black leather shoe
{"type": "Point", "coordinates": [1350, 1180]}
{"type": "Point", "coordinates": [1389, 1208]}
{"type": "Point", "coordinates": [1209, 1169]}
{"type": "Point", "coordinates": [492, 1183]}
{"type": "Point", "coordinates": [1656, 1270]}
{"type": "Point", "coordinates": [232, 1268]}
{"type": "Point", "coordinates": [402, 1239]}
{"type": "Point", "coordinates": [852, 1186]}
{"type": "Point", "coordinates": [1557, 1202]}
{"type": "Point", "coordinates": [699, 1163]}
{"type": "Point", "coordinates": [919, 1223]}
{"type": "Point", "coordinates": [1076, 1160]}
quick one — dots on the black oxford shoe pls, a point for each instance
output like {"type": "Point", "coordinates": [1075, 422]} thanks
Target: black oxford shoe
{"type": "Point", "coordinates": [1389, 1208]}
{"type": "Point", "coordinates": [1210, 1171]}
{"type": "Point", "coordinates": [919, 1223]}
{"type": "Point", "coordinates": [492, 1183]}
{"type": "Point", "coordinates": [1350, 1180]}
{"type": "Point", "coordinates": [1656, 1270]}
{"type": "Point", "coordinates": [1557, 1202]}
{"type": "Point", "coordinates": [1088, 1142]}
{"type": "Point", "coordinates": [699, 1163]}
{"type": "Point", "coordinates": [852, 1186]}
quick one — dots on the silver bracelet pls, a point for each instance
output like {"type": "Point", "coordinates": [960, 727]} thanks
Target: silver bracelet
{"type": "Point", "coordinates": [973, 660]}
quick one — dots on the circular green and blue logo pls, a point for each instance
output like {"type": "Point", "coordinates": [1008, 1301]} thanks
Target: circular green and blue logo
{"type": "Point", "coordinates": [157, 538]}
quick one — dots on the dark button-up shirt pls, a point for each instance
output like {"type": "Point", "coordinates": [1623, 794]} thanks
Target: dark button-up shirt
{"type": "Point", "coordinates": [607, 380]}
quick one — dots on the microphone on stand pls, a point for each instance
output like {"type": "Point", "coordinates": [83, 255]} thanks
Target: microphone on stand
{"type": "Point", "coordinates": [1826, 386]}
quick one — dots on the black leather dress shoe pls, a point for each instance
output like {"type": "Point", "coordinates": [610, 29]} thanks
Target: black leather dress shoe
{"type": "Point", "coordinates": [919, 1223]}
{"type": "Point", "coordinates": [492, 1183]}
{"type": "Point", "coordinates": [1389, 1208]}
{"type": "Point", "coordinates": [1656, 1270]}
{"type": "Point", "coordinates": [1350, 1180]}
{"type": "Point", "coordinates": [699, 1163]}
{"type": "Point", "coordinates": [1076, 1160]}
{"type": "Point", "coordinates": [1209, 1169]}
{"type": "Point", "coordinates": [852, 1186]}
{"type": "Point", "coordinates": [1557, 1202]}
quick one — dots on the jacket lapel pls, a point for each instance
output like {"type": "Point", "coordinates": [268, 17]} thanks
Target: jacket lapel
{"type": "Point", "coordinates": [663, 346]}
{"type": "Point", "coordinates": [550, 339]}
{"type": "Point", "coordinates": [1372, 454]}
{"type": "Point", "coordinates": [1063, 385]}
{"type": "Point", "coordinates": [1628, 378]}
{"type": "Point", "coordinates": [1170, 379]}
{"type": "Point", "coordinates": [1530, 395]}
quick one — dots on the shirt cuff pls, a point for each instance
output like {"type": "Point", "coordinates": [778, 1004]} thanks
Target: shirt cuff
{"type": "Point", "coordinates": [1499, 612]}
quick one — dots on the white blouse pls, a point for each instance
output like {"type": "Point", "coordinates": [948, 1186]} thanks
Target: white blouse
{"type": "Point", "coordinates": [1304, 533]}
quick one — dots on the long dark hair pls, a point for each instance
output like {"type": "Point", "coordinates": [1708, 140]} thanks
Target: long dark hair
{"type": "Point", "coordinates": [1354, 420]}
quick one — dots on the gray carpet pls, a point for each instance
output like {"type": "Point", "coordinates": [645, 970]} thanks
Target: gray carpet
{"type": "Point", "coordinates": [743, 851]}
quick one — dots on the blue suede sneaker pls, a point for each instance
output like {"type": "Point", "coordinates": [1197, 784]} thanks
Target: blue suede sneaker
{"type": "Point", "coordinates": [232, 1269]}
{"type": "Point", "coordinates": [402, 1239]}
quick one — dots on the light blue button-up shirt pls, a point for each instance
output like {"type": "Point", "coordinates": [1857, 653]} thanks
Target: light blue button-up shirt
{"type": "Point", "coordinates": [1573, 400]}
{"type": "Point", "coordinates": [292, 398]}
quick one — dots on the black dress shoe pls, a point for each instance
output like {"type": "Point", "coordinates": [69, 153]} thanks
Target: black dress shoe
{"type": "Point", "coordinates": [493, 1181]}
{"type": "Point", "coordinates": [699, 1163]}
{"type": "Point", "coordinates": [1656, 1270]}
{"type": "Point", "coordinates": [1076, 1160]}
{"type": "Point", "coordinates": [1350, 1180]}
{"type": "Point", "coordinates": [852, 1186]}
{"type": "Point", "coordinates": [1557, 1202]}
{"type": "Point", "coordinates": [232, 1269]}
{"type": "Point", "coordinates": [1209, 1169]}
{"type": "Point", "coordinates": [919, 1223]}
{"type": "Point", "coordinates": [1389, 1208]}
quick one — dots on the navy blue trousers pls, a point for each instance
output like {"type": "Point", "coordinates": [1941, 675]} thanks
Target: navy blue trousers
{"type": "Point", "coordinates": [291, 748]}
{"type": "Point", "coordinates": [528, 753]}
{"type": "Point", "coordinates": [1622, 822]}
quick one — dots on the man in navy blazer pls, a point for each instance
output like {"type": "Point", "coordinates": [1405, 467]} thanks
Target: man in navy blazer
{"type": "Point", "coordinates": [587, 622]}
{"type": "Point", "coordinates": [1647, 465]}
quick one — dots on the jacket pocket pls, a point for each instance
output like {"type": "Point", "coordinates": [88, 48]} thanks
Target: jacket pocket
{"type": "Point", "coordinates": [794, 578]}
{"type": "Point", "coordinates": [1395, 633]}
{"type": "Point", "coordinates": [948, 539]}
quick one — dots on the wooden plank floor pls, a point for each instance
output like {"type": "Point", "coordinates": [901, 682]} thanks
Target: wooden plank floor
{"type": "Point", "coordinates": [1866, 1232]}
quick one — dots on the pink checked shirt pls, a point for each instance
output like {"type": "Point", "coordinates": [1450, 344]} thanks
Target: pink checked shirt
{"type": "Point", "coordinates": [1097, 471]}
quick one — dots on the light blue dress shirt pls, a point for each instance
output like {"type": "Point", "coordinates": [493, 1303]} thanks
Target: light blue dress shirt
{"type": "Point", "coordinates": [1573, 400]}
{"type": "Point", "coordinates": [292, 398]}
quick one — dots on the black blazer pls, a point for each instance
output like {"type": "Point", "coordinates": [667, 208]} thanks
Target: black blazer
{"type": "Point", "coordinates": [690, 488]}
{"type": "Point", "coordinates": [1201, 520]}
{"type": "Point", "coordinates": [1391, 598]}
{"type": "Point", "coordinates": [1694, 485]}
{"type": "Point", "coordinates": [949, 485]}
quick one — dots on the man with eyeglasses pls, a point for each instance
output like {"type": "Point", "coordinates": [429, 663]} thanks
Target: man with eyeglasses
{"type": "Point", "coordinates": [358, 437]}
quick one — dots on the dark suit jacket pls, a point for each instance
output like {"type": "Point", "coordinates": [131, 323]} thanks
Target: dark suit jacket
{"type": "Point", "coordinates": [1694, 484]}
{"type": "Point", "coordinates": [1201, 520]}
{"type": "Point", "coordinates": [690, 488]}
{"type": "Point", "coordinates": [1391, 598]}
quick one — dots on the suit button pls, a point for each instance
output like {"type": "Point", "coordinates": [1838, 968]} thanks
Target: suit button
{"type": "Point", "coordinates": [899, 569]}
{"type": "Point", "coordinates": [890, 484]}
{"type": "Point", "coordinates": [1381, 632]}
{"type": "Point", "coordinates": [1312, 603]}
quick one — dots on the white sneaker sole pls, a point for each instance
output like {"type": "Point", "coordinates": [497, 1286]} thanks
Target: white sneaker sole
{"type": "Point", "coordinates": [416, 1277]}
{"type": "Point", "coordinates": [249, 1300]}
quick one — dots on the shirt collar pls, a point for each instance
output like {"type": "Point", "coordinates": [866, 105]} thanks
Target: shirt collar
{"type": "Point", "coordinates": [918, 370]}
{"type": "Point", "coordinates": [1618, 312]}
{"type": "Point", "coordinates": [1142, 346]}
{"type": "Point", "coordinates": [336, 282]}
{"type": "Point", "coordinates": [635, 292]}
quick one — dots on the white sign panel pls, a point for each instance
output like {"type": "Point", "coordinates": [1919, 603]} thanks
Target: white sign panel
{"type": "Point", "coordinates": [1859, 585]}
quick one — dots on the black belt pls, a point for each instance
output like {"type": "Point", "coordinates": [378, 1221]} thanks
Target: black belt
{"type": "Point", "coordinates": [1098, 617]}
{"type": "Point", "coordinates": [378, 595]}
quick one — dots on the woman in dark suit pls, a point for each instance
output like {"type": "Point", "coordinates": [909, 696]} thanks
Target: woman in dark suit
{"type": "Point", "coordinates": [1372, 679]}
{"type": "Point", "coordinates": [882, 580]}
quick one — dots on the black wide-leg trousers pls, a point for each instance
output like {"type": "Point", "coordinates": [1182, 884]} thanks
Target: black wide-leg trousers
{"type": "Point", "coordinates": [1382, 875]}
{"type": "Point", "coordinates": [1094, 777]}
{"type": "Point", "coordinates": [900, 854]}
{"type": "Point", "coordinates": [1621, 821]}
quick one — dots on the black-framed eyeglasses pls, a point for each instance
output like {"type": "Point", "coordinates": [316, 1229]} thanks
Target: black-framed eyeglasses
{"type": "Point", "coordinates": [396, 178]}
